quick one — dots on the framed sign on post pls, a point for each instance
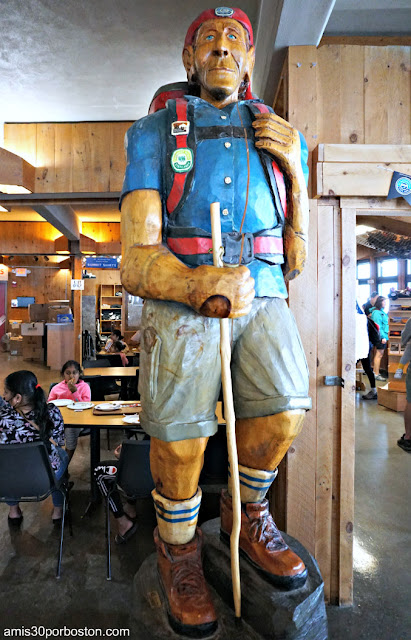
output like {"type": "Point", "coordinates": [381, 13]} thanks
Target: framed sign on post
{"type": "Point", "coordinates": [77, 285]}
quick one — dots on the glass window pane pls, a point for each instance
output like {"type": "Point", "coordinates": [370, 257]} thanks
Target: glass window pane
{"type": "Point", "coordinates": [387, 268]}
{"type": "Point", "coordinates": [408, 266]}
{"type": "Point", "coordinates": [364, 270]}
{"type": "Point", "coordinates": [384, 289]}
{"type": "Point", "coordinates": [363, 291]}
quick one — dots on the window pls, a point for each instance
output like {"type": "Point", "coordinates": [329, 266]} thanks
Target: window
{"type": "Point", "coordinates": [387, 268]}
{"type": "Point", "coordinates": [363, 292]}
{"type": "Point", "coordinates": [387, 277]}
{"type": "Point", "coordinates": [408, 273]}
{"type": "Point", "coordinates": [364, 270]}
{"type": "Point", "coordinates": [363, 275]}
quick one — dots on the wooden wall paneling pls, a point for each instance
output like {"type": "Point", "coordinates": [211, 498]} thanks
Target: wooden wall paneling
{"type": "Point", "coordinates": [328, 92]}
{"type": "Point", "coordinates": [398, 95]}
{"type": "Point", "coordinates": [351, 78]}
{"type": "Point", "coordinates": [45, 157]}
{"type": "Point", "coordinates": [19, 238]}
{"type": "Point", "coordinates": [375, 95]}
{"type": "Point", "coordinates": [43, 283]}
{"type": "Point", "coordinates": [347, 457]}
{"type": "Point", "coordinates": [326, 396]}
{"type": "Point", "coordinates": [81, 152]}
{"type": "Point", "coordinates": [99, 133]}
{"type": "Point", "coordinates": [63, 155]}
{"type": "Point", "coordinates": [22, 140]}
{"type": "Point", "coordinates": [301, 459]}
{"type": "Point", "coordinates": [102, 231]}
{"type": "Point", "coordinates": [117, 154]}
{"type": "Point", "coordinates": [302, 90]}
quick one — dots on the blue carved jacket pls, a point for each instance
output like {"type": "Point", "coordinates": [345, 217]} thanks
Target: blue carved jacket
{"type": "Point", "coordinates": [218, 174]}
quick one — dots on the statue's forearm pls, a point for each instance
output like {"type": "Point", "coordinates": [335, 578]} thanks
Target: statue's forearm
{"type": "Point", "coordinates": [298, 198]}
{"type": "Point", "coordinates": [151, 271]}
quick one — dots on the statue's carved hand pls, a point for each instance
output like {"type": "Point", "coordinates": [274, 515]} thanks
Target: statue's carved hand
{"type": "Point", "coordinates": [278, 137]}
{"type": "Point", "coordinates": [222, 292]}
{"type": "Point", "coordinates": [295, 252]}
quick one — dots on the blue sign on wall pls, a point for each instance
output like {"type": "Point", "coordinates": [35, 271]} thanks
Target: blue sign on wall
{"type": "Point", "coordinates": [101, 262]}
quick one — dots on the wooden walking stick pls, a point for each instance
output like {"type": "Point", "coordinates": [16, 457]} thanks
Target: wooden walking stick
{"type": "Point", "coordinates": [225, 351]}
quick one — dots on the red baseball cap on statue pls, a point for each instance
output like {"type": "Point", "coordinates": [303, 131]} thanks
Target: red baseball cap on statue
{"type": "Point", "coordinates": [220, 12]}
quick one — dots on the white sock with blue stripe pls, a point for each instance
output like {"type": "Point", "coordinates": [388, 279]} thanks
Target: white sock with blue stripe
{"type": "Point", "coordinates": [177, 519]}
{"type": "Point", "coordinates": [254, 483]}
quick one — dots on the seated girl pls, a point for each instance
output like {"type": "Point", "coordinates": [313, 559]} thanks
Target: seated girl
{"type": "Point", "coordinates": [72, 388]}
{"type": "Point", "coordinates": [26, 417]}
{"type": "Point", "coordinates": [105, 475]}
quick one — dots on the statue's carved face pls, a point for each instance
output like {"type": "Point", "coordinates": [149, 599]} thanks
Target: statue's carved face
{"type": "Point", "coordinates": [220, 59]}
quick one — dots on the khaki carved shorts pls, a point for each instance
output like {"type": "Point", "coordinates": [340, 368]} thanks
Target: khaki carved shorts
{"type": "Point", "coordinates": [180, 368]}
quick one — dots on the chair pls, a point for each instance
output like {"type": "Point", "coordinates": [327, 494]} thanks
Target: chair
{"type": "Point", "coordinates": [107, 386]}
{"type": "Point", "coordinates": [26, 475]}
{"type": "Point", "coordinates": [133, 478]}
{"type": "Point", "coordinates": [96, 364]}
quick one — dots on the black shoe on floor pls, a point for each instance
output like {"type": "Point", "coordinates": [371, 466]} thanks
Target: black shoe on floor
{"type": "Point", "coordinates": [404, 444]}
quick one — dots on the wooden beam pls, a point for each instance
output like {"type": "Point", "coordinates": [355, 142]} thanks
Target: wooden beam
{"type": "Point", "coordinates": [363, 153]}
{"type": "Point", "coordinates": [359, 178]}
{"type": "Point", "coordinates": [16, 171]}
{"type": "Point", "coordinates": [393, 224]}
{"type": "Point", "coordinates": [62, 217]}
{"type": "Point", "coordinates": [367, 41]}
{"type": "Point", "coordinates": [78, 197]}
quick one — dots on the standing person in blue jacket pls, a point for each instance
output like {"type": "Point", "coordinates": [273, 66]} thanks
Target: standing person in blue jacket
{"type": "Point", "coordinates": [379, 316]}
{"type": "Point", "coordinates": [217, 143]}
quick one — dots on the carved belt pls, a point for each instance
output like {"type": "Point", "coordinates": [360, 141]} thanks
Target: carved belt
{"type": "Point", "coordinates": [253, 247]}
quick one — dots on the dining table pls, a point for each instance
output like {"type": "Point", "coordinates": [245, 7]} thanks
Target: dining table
{"type": "Point", "coordinates": [86, 418]}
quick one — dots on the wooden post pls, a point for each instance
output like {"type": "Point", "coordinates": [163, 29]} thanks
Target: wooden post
{"type": "Point", "coordinates": [77, 272]}
{"type": "Point", "coordinates": [346, 514]}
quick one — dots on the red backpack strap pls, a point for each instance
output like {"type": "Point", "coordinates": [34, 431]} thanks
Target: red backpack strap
{"type": "Point", "coordinates": [279, 178]}
{"type": "Point", "coordinates": [179, 180]}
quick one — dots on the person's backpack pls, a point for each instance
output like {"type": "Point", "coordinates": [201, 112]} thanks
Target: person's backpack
{"type": "Point", "coordinates": [373, 331]}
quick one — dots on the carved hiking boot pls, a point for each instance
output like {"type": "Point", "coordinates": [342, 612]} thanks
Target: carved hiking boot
{"type": "Point", "coordinates": [189, 606]}
{"type": "Point", "coordinates": [262, 544]}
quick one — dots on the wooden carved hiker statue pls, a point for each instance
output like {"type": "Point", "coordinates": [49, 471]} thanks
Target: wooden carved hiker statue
{"type": "Point", "coordinates": [216, 143]}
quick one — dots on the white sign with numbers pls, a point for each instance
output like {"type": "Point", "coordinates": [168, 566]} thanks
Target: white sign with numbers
{"type": "Point", "coordinates": [77, 285]}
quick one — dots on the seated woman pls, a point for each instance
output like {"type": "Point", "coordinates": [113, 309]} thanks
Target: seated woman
{"type": "Point", "coordinates": [120, 348]}
{"type": "Point", "coordinates": [115, 336]}
{"type": "Point", "coordinates": [26, 417]}
{"type": "Point", "coordinates": [105, 475]}
{"type": "Point", "coordinates": [72, 388]}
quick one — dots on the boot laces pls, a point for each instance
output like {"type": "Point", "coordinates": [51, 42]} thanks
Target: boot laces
{"type": "Point", "coordinates": [264, 529]}
{"type": "Point", "coordinates": [188, 579]}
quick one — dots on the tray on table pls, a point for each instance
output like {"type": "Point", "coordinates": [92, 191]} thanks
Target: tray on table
{"type": "Point", "coordinates": [127, 409]}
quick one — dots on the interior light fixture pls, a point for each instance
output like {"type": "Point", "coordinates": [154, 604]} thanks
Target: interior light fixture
{"type": "Point", "coordinates": [17, 176]}
{"type": "Point", "coordinates": [362, 228]}
{"type": "Point", "coordinates": [14, 189]}
{"type": "Point", "coordinates": [61, 245]}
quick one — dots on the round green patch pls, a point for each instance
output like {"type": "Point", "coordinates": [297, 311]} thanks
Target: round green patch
{"type": "Point", "coordinates": [182, 160]}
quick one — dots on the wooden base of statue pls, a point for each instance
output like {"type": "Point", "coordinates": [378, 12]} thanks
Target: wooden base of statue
{"type": "Point", "coordinates": [267, 612]}
{"type": "Point", "coordinates": [270, 611]}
